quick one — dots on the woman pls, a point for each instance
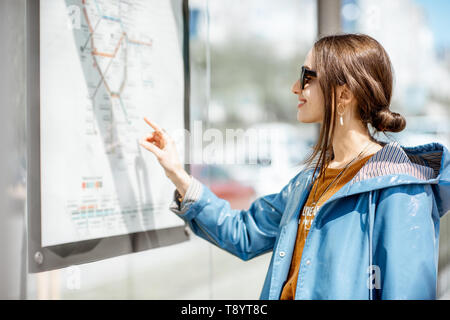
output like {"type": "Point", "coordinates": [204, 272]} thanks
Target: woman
{"type": "Point", "coordinates": [361, 220]}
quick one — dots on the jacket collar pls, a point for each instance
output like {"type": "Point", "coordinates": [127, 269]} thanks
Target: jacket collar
{"type": "Point", "coordinates": [392, 159]}
{"type": "Point", "coordinates": [397, 165]}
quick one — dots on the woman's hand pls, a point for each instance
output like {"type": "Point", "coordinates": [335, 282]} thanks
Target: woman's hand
{"type": "Point", "coordinates": [163, 147]}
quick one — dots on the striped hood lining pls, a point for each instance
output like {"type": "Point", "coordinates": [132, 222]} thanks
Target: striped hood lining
{"type": "Point", "coordinates": [418, 162]}
{"type": "Point", "coordinates": [432, 160]}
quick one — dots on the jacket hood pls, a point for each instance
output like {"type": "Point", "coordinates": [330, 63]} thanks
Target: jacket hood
{"type": "Point", "coordinates": [395, 165]}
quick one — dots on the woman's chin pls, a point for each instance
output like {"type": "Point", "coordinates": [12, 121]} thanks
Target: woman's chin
{"type": "Point", "coordinates": [301, 118]}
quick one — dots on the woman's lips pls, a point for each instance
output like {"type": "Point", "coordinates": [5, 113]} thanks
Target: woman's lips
{"type": "Point", "coordinates": [301, 103]}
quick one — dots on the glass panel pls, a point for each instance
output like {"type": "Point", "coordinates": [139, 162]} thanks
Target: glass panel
{"type": "Point", "coordinates": [245, 56]}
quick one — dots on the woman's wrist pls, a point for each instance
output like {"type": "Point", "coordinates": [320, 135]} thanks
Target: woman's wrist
{"type": "Point", "coordinates": [181, 179]}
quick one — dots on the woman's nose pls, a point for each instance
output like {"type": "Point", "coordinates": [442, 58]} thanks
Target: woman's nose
{"type": "Point", "coordinates": [296, 87]}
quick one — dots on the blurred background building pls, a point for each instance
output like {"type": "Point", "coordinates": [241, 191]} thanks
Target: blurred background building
{"type": "Point", "coordinates": [244, 58]}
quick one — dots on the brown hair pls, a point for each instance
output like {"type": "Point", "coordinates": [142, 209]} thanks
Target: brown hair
{"type": "Point", "coordinates": [361, 62]}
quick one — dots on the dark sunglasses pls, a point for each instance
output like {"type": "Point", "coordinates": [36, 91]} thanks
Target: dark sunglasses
{"type": "Point", "coordinates": [306, 74]}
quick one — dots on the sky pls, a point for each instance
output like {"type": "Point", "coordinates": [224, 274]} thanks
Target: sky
{"type": "Point", "coordinates": [438, 13]}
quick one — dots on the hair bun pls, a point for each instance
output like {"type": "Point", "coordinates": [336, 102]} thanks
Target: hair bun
{"type": "Point", "coordinates": [386, 120]}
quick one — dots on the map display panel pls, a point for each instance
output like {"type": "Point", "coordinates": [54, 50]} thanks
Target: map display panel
{"type": "Point", "coordinates": [104, 65]}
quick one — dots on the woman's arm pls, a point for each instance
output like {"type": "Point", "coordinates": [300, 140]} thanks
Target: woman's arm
{"type": "Point", "coordinates": [244, 233]}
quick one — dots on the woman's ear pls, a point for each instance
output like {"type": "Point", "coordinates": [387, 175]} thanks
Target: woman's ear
{"type": "Point", "coordinates": [344, 94]}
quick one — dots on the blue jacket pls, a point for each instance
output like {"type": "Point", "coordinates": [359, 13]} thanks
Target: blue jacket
{"type": "Point", "coordinates": [376, 238]}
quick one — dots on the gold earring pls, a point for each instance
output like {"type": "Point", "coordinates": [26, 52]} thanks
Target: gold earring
{"type": "Point", "coordinates": [341, 120]}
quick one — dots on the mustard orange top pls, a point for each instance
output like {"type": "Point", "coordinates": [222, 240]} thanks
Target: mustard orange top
{"type": "Point", "coordinates": [308, 213]}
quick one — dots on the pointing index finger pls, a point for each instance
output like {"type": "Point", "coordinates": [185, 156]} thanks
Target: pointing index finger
{"type": "Point", "coordinates": [152, 124]}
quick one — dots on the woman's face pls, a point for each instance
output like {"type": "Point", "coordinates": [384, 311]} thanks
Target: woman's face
{"type": "Point", "coordinates": [312, 110]}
